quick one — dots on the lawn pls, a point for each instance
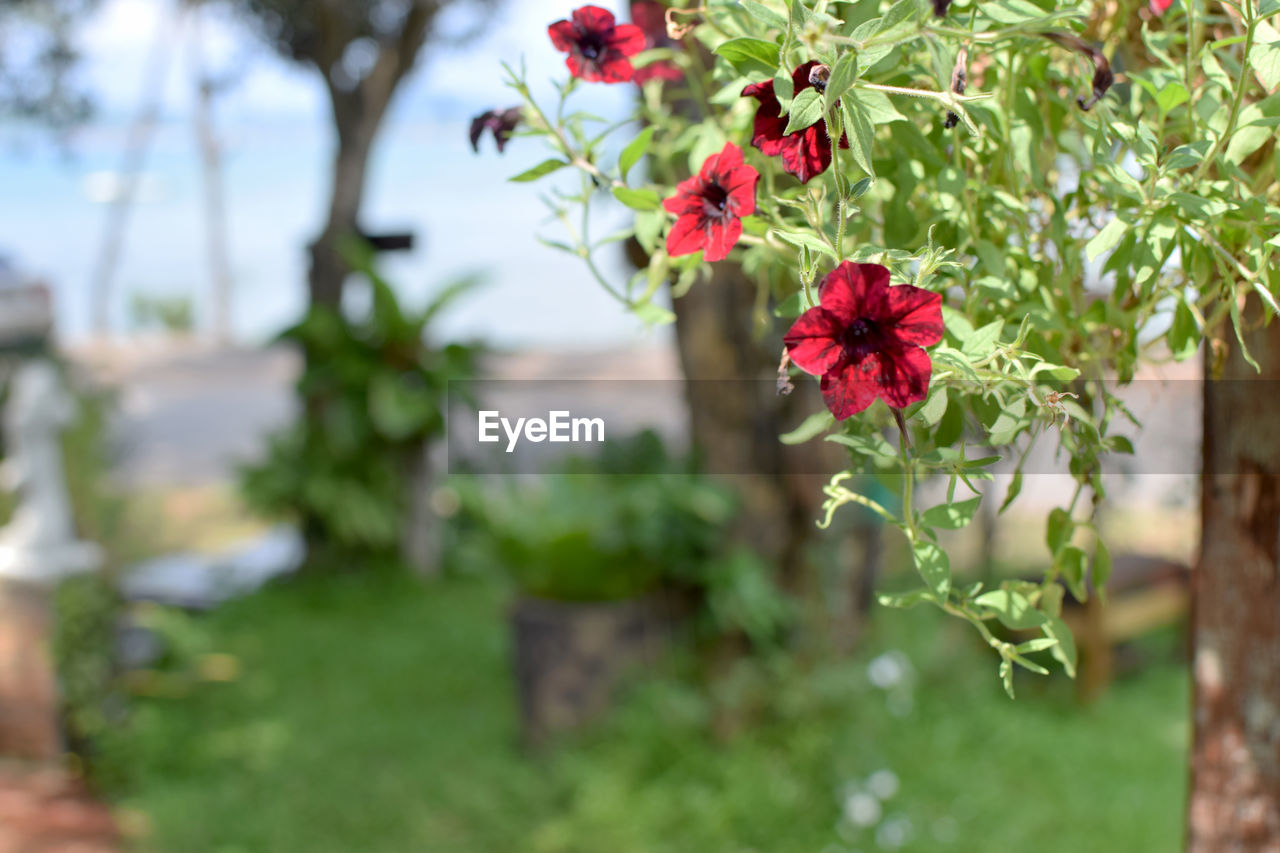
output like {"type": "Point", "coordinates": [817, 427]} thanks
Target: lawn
{"type": "Point", "coordinates": [375, 714]}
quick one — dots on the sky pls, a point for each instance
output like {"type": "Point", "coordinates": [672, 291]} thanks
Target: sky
{"type": "Point", "coordinates": [277, 140]}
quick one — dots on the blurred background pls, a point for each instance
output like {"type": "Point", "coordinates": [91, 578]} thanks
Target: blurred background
{"type": "Point", "coordinates": [248, 601]}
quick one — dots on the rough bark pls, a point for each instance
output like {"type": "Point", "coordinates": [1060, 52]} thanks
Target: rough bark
{"type": "Point", "coordinates": [736, 417]}
{"type": "Point", "coordinates": [1235, 768]}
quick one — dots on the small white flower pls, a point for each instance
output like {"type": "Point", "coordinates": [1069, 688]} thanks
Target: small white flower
{"type": "Point", "coordinates": [862, 809]}
{"type": "Point", "coordinates": [883, 783]}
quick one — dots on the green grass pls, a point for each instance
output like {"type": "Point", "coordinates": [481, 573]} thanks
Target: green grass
{"type": "Point", "coordinates": [378, 715]}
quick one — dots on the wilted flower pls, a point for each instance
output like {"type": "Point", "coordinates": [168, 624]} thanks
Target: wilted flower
{"type": "Point", "coordinates": [1102, 76]}
{"type": "Point", "coordinates": [805, 152]}
{"type": "Point", "coordinates": [650, 17]}
{"type": "Point", "coordinates": [865, 339]}
{"type": "Point", "coordinates": [599, 48]}
{"type": "Point", "coordinates": [502, 123]}
{"type": "Point", "coordinates": [959, 79]}
{"type": "Point", "coordinates": [709, 206]}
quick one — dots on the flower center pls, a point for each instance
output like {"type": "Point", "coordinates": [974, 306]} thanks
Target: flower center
{"type": "Point", "coordinates": [715, 199]}
{"type": "Point", "coordinates": [861, 338]}
{"type": "Point", "coordinates": [590, 46]}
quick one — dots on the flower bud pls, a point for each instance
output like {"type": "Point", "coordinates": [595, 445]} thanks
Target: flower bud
{"type": "Point", "coordinates": [818, 77]}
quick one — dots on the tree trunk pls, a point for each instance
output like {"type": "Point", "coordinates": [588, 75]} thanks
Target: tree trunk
{"type": "Point", "coordinates": [357, 129]}
{"type": "Point", "coordinates": [1235, 767]}
{"type": "Point", "coordinates": [736, 417]}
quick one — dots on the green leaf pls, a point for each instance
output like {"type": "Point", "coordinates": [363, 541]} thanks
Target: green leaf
{"type": "Point", "coordinates": [1015, 488]}
{"type": "Point", "coordinates": [649, 229]}
{"type": "Point", "coordinates": [1264, 56]}
{"type": "Point", "coordinates": [1014, 11]}
{"type": "Point", "coordinates": [1065, 650]}
{"type": "Point", "coordinates": [1184, 335]}
{"type": "Point", "coordinates": [750, 57]}
{"type": "Point", "coordinates": [806, 110]}
{"type": "Point", "coordinates": [1107, 239]}
{"type": "Point", "coordinates": [1266, 296]}
{"type": "Point", "coordinates": [546, 167]}
{"type": "Point", "coordinates": [653, 315]}
{"type": "Point", "coordinates": [1013, 609]}
{"type": "Point", "coordinates": [933, 565]}
{"type": "Point", "coordinates": [635, 149]}
{"type": "Point", "coordinates": [861, 134]}
{"type": "Point", "coordinates": [1101, 565]}
{"type": "Point", "coordinates": [1058, 529]}
{"type": "Point", "coordinates": [807, 240]}
{"type": "Point", "coordinates": [843, 73]}
{"type": "Point", "coordinates": [1172, 95]}
{"type": "Point", "coordinates": [951, 516]}
{"type": "Point", "coordinates": [812, 426]}
{"type": "Point", "coordinates": [878, 107]}
{"type": "Point", "coordinates": [765, 15]}
{"type": "Point", "coordinates": [1073, 563]}
{"type": "Point", "coordinates": [934, 407]}
{"type": "Point", "coordinates": [793, 306]}
{"type": "Point", "coordinates": [642, 200]}
{"type": "Point", "coordinates": [983, 340]}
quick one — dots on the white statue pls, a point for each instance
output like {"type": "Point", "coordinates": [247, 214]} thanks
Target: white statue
{"type": "Point", "coordinates": [39, 543]}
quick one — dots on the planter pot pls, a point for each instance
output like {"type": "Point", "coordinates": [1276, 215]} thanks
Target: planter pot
{"type": "Point", "coordinates": [570, 657]}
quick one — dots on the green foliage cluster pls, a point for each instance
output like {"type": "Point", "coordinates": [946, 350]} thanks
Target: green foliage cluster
{"type": "Point", "coordinates": [374, 393]}
{"type": "Point", "coordinates": [1070, 245]}
{"type": "Point", "coordinates": [598, 530]}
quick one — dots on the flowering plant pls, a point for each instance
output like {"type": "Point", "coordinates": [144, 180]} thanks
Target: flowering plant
{"type": "Point", "coordinates": [940, 221]}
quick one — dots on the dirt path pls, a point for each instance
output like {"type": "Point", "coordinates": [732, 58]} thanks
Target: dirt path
{"type": "Point", "coordinates": [46, 811]}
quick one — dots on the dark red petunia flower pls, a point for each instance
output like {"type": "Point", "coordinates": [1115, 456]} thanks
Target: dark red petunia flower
{"type": "Point", "coordinates": [651, 17]}
{"type": "Point", "coordinates": [804, 153]}
{"type": "Point", "coordinates": [709, 205]}
{"type": "Point", "coordinates": [865, 339]}
{"type": "Point", "coordinates": [598, 47]}
{"type": "Point", "coordinates": [502, 123]}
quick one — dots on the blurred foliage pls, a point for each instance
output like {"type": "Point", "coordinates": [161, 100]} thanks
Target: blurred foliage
{"type": "Point", "coordinates": [599, 531]}
{"type": "Point", "coordinates": [167, 313]}
{"type": "Point", "coordinates": [374, 393]}
{"type": "Point", "coordinates": [37, 54]}
{"type": "Point", "coordinates": [369, 716]}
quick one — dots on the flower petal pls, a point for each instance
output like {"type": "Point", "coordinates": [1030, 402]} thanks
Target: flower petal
{"type": "Point", "coordinates": [663, 69]}
{"type": "Point", "coordinates": [813, 341]}
{"type": "Point", "coordinates": [721, 237]}
{"type": "Point", "coordinates": [845, 392]}
{"type": "Point", "coordinates": [688, 197]}
{"type": "Point", "coordinates": [614, 68]}
{"type": "Point", "coordinates": [904, 376]}
{"type": "Point", "coordinates": [916, 315]}
{"type": "Point", "coordinates": [686, 236]}
{"type": "Point", "coordinates": [593, 19]}
{"type": "Point", "coordinates": [650, 16]}
{"type": "Point", "coordinates": [564, 36]}
{"type": "Point", "coordinates": [741, 186]}
{"type": "Point", "coordinates": [851, 291]}
{"type": "Point", "coordinates": [627, 39]}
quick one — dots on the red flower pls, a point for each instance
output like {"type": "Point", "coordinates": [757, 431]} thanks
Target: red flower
{"type": "Point", "coordinates": [651, 17]}
{"type": "Point", "coordinates": [1159, 7]}
{"type": "Point", "coordinates": [598, 47]}
{"type": "Point", "coordinates": [865, 339]}
{"type": "Point", "coordinates": [805, 153]}
{"type": "Point", "coordinates": [709, 204]}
